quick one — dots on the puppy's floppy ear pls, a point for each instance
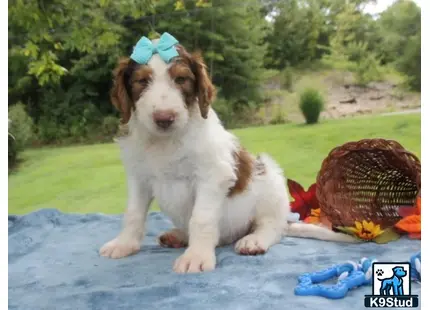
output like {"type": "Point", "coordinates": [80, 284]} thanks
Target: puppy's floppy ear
{"type": "Point", "coordinates": [205, 90]}
{"type": "Point", "coordinates": [120, 93]}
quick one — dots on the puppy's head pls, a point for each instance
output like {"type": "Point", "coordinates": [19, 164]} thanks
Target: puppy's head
{"type": "Point", "coordinates": [163, 96]}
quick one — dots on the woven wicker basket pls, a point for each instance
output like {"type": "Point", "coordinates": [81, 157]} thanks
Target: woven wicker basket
{"type": "Point", "coordinates": [368, 180]}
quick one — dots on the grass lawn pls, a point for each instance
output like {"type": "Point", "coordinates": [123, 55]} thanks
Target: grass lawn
{"type": "Point", "coordinates": [91, 178]}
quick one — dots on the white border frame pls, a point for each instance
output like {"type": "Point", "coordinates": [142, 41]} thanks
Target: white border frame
{"type": "Point", "coordinates": [4, 174]}
{"type": "Point", "coordinates": [425, 144]}
{"type": "Point", "coordinates": [425, 152]}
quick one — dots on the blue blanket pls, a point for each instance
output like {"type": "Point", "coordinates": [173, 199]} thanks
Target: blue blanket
{"type": "Point", "coordinates": [54, 264]}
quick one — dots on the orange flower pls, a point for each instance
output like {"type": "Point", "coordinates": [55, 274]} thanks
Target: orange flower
{"type": "Point", "coordinates": [411, 223]}
{"type": "Point", "coordinates": [314, 218]}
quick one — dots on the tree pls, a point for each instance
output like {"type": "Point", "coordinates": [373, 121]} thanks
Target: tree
{"type": "Point", "coordinates": [410, 62]}
{"type": "Point", "coordinates": [230, 35]}
{"type": "Point", "coordinates": [303, 29]}
{"type": "Point", "coordinates": [296, 32]}
{"type": "Point", "coordinates": [53, 35]}
{"type": "Point", "coordinates": [353, 42]}
{"type": "Point", "coordinates": [61, 54]}
{"type": "Point", "coordinates": [400, 33]}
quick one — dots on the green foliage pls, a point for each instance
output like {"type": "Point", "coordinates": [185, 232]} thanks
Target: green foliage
{"type": "Point", "coordinates": [68, 115]}
{"type": "Point", "coordinates": [400, 34]}
{"type": "Point", "coordinates": [62, 67]}
{"type": "Point", "coordinates": [233, 116]}
{"type": "Point", "coordinates": [287, 78]}
{"type": "Point", "coordinates": [59, 33]}
{"type": "Point", "coordinates": [279, 117]}
{"type": "Point", "coordinates": [62, 52]}
{"type": "Point", "coordinates": [352, 45]}
{"type": "Point", "coordinates": [20, 132]}
{"type": "Point", "coordinates": [397, 25]}
{"type": "Point", "coordinates": [364, 63]}
{"type": "Point", "coordinates": [21, 126]}
{"type": "Point", "coordinates": [410, 62]}
{"type": "Point", "coordinates": [12, 151]}
{"type": "Point", "coordinates": [311, 105]}
{"type": "Point", "coordinates": [225, 111]}
{"type": "Point", "coordinates": [230, 37]}
{"type": "Point", "coordinates": [110, 126]}
{"type": "Point", "coordinates": [303, 29]}
{"type": "Point", "coordinates": [335, 30]}
{"type": "Point", "coordinates": [367, 70]}
{"type": "Point", "coordinates": [297, 32]}
{"type": "Point", "coordinates": [352, 26]}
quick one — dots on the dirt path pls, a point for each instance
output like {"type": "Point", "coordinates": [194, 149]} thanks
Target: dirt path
{"type": "Point", "coordinates": [376, 98]}
{"type": "Point", "coordinates": [411, 111]}
{"type": "Point", "coordinates": [343, 97]}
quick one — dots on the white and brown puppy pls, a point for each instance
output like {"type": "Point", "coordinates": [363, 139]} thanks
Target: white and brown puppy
{"type": "Point", "coordinates": [178, 152]}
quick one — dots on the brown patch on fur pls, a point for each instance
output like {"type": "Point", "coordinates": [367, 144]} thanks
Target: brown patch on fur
{"type": "Point", "coordinates": [172, 239]}
{"type": "Point", "coordinates": [130, 79]}
{"type": "Point", "coordinates": [204, 90]}
{"type": "Point", "coordinates": [119, 96]}
{"type": "Point", "coordinates": [140, 79]}
{"type": "Point", "coordinates": [181, 70]}
{"type": "Point", "coordinates": [244, 167]}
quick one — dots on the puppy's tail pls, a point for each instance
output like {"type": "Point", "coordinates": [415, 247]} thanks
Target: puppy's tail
{"type": "Point", "coordinates": [294, 229]}
{"type": "Point", "coordinates": [311, 231]}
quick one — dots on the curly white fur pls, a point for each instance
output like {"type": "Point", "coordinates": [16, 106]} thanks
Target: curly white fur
{"type": "Point", "coordinates": [189, 170]}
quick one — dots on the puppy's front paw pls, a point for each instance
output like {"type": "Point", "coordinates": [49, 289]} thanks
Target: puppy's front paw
{"type": "Point", "coordinates": [250, 245]}
{"type": "Point", "coordinates": [118, 248]}
{"type": "Point", "coordinates": [195, 261]}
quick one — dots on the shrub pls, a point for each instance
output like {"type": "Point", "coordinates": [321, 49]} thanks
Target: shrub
{"type": "Point", "coordinates": [50, 130]}
{"type": "Point", "coordinates": [357, 58]}
{"type": "Point", "coordinates": [237, 116]}
{"type": "Point", "coordinates": [367, 70]}
{"type": "Point", "coordinates": [410, 62]}
{"type": "Point", "coordinates": [224, 110]}
{"type": "Point", "coordinates": [365, 64]}
{"type": "Point", "coordinates": [311, 105]}
{"type": "Point", "coordinates": [21, 125]}
{"type": "Point", "coordinates": [278, 117]}
{"type": "Point", "coordinates": [110, 126]}
{"type": "Point", "coordinates": [12, 150]}
{"type": "Point", "coordinates": [20, 132]}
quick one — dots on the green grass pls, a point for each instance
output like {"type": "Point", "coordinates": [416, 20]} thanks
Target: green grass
{"type": "Point", "coordinates": [91, 178]}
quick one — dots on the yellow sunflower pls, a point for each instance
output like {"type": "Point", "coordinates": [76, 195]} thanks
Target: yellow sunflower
{"type": "Point", "coordinates": [366, 230]}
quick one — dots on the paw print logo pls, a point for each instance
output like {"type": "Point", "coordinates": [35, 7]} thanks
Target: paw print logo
{"type": "Point", "coordinates": [379, 272]}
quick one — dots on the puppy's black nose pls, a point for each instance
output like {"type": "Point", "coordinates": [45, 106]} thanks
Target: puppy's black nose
{"type": "Point", "coordinates": [164, 119]}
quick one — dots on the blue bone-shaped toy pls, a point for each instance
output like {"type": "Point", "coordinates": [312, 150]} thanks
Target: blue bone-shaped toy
{"type": "Point", "coordinates": [416, 267]}
{"type": "Point", "coordinates": [349, 275]}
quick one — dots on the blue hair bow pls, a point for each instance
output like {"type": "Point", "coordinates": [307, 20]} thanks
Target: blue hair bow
{"type": "Point", "coordinates": [165, 47]}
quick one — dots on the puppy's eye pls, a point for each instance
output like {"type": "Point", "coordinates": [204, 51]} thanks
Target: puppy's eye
{"type": "Point", "coordinates": [143, 82]}
{"type": "Point", "coordinates": [180, 80]}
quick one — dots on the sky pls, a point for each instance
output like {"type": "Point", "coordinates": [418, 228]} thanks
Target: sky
{"type": "Point", "coordinates": [381, 5]}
